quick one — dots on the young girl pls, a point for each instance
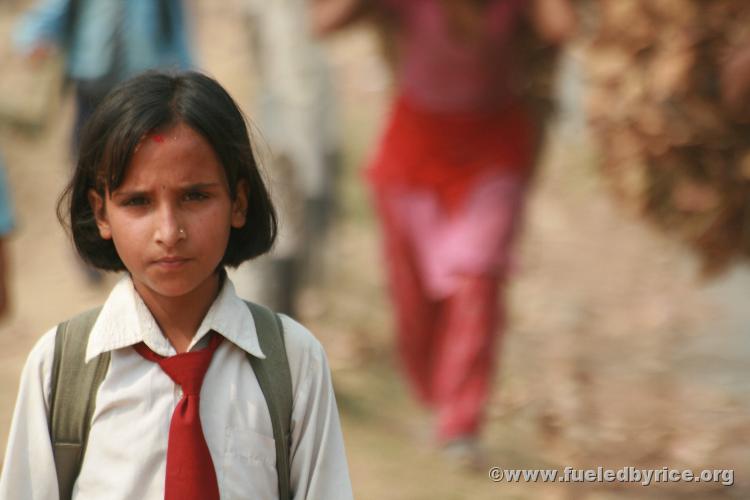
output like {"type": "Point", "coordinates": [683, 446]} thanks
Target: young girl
{"type": "Point", "coordinates": [449, 181]}
{"type": "Point", "coordinates": [167, 189]}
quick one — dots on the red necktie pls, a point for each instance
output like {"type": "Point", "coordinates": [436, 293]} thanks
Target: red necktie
{"type": "Point", "coordinates": [190, 470]}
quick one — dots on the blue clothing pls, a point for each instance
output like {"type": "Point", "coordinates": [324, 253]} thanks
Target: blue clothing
{"type": "Point", "coordinates": [6, 207]}
{"type": "Point", "coordinates": [91, 47]}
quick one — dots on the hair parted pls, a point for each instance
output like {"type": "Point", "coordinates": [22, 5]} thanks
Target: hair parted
{"type": "Point", "coordinates": [145, 104]}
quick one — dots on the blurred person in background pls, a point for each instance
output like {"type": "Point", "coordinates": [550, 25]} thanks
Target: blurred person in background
{"type": "Point", "coordinates": [449, 180]}
{"type": "Point", "coordinates": [105, 42]}
{"type": "Point", "coordinates": [6, 225]}
{"type": "Point", "coordinates": [296, 114]}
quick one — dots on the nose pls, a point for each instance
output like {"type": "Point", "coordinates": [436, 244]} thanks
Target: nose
{"type": "Point", "coordinates": [168, 231]}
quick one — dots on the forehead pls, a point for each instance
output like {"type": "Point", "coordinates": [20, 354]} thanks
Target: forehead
{"type": "Point", "coordinates": [172, 157]}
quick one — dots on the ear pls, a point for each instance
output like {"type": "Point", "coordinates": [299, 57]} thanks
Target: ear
{"type": "Point", "coordinates": [239, 205]}
{"type": "Point", "coordinates": [100, 214]}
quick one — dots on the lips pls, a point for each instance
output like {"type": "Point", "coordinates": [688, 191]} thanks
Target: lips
{"type": "Point", "coordinates": [171, 262]}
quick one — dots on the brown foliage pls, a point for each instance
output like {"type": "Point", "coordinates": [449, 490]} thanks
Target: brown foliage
{"type": "Point", "coordinates": [672, 150]}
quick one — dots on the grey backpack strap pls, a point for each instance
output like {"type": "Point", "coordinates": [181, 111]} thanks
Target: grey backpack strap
{"type": "Point", "coordinates": [73, 396]}
{"type": "Point", "coordinates": [275, 380]}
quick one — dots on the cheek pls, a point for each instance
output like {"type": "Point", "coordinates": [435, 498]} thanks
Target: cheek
{"type": "Point", "coordinates": [212, 227]}
{"type": "Point", "coordinates": [128, 233]}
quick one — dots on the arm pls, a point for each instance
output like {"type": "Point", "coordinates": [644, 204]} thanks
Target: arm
{"type": "Point", "coordinates": [29, 468]}
{"type": "Point", "coordinates": [318, 460]}
{"type": "Point", "coordinates": [330, 15]}
{"type": "Point", "coordinates": [553, 20]}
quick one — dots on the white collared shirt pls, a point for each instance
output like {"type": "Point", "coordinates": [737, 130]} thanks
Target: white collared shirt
{"type": "Point", "coordinates": [126, 453]}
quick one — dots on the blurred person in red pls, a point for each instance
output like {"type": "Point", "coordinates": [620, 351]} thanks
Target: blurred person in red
{"type": "Point", "coordinates": [449, 180]}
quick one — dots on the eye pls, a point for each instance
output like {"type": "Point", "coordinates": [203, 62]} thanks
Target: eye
{"type": "Point", "coordinates": [135, 201]}
{"type": "Point", "coordinates": [195, 196]}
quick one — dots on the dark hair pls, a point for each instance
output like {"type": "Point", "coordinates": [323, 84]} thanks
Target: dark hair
{"type": "Point", "coordinates": [149, 102]}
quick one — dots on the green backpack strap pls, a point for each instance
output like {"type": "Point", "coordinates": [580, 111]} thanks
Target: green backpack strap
{"type": "Point", "coordinates": [275, 380]}
{"type": "Point", "coordinates": [73, 397]}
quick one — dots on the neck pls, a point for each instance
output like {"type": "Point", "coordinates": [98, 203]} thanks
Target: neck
{"type": "Point", "coordinates": [180, 317]}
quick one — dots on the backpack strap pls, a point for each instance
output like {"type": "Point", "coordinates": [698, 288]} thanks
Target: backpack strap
{"type": "Point", "coordinates": [275, 380]}
{"type": "Point", "coordinates": [73, 397]}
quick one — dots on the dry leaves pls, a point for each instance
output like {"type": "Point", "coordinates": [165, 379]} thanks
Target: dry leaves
{"type": "Point", "coordinates": [670, 150]}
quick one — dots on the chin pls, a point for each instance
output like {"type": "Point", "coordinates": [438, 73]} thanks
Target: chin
{"type": "Point", "coordinates": [173, 288]}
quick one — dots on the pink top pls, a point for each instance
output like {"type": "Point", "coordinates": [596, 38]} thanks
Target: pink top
{"type": "Point", "coordinates": [441, 72]}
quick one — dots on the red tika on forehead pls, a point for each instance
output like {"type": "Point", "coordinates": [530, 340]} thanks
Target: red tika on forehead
{"type": "Point", "coordinates": [158, 138]}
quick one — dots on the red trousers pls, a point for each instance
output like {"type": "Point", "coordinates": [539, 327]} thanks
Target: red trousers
{"type": "Point", "coordinates": [448, 344]}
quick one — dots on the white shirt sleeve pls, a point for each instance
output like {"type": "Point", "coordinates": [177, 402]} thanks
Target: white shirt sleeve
{"type": "Point", "coordinates": [29, 466]}
{"type": "Point", "coordinates": [318, 460]}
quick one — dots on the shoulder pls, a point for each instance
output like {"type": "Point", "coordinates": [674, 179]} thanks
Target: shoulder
{"type": "Point", "coordinates": [39, 362]}
{"type": "Point", "coordinates": [299, 341]}
{"type": "Point", "coordinates": [307, 358]}
{"type": "Point", "coordinates": [37, 370]}
{"type": "Point", "coordinates": [42, 352]}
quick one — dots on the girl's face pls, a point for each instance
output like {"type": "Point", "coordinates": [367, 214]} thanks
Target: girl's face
{"type": "Point", "coordinates": [171, 217]}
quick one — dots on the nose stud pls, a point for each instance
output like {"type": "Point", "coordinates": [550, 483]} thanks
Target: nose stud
{"type": "Point", "coordinates": [182, 232]}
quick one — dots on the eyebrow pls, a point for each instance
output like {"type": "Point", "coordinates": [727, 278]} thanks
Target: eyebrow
{"type": "Point", "coordinates": [190, 187]}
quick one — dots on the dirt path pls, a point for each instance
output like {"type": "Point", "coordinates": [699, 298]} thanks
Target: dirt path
{"type": "Point", "coordinates": [615, 355]}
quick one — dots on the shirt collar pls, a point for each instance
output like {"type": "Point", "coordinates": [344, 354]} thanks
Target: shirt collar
{"type": "Point", "coordinates": [125, 320]}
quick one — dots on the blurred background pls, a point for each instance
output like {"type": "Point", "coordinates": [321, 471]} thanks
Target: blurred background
{"type": "Point", "coordinates": [627, 342]}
